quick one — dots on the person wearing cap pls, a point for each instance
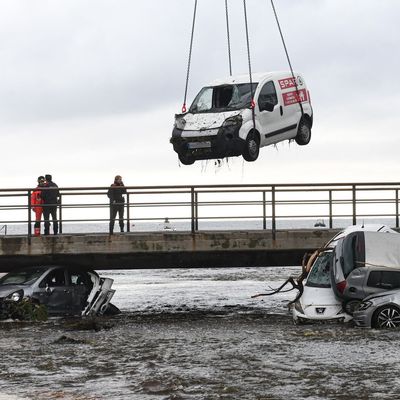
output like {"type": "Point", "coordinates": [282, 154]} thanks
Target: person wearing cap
{"type": "Point", "coordinates": [36, 203]}
{"type": "Point", "coordinates": [51, 198]}
{"type": "Point", "coordinates": [115, 194]}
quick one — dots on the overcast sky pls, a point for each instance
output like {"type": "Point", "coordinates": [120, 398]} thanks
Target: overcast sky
{"type": "Point", "coordinates": [89, 88]}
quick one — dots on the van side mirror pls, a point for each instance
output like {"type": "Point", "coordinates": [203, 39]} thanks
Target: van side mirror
{"type": "Point", "coordinates": [266, 106]}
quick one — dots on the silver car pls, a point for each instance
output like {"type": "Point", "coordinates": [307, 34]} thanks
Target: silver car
{"type": "Point", "coordinates": [63, 290]}
{"type": "Point", "coordinates": [379, 310]}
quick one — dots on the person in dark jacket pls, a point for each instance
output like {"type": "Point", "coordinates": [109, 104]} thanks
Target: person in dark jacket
{"type": "Point", "coordinates": [115, 194]}
{"type": "Point", "coordinates": [51, 198]}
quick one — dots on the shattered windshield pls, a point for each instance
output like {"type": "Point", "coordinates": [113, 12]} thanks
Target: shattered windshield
{"type": "Point", "coordinates": [223, 98]}
{"type": "Point", "coordinates": [24, 277]}
{"type": "Point", "coordinates": [319, 275]}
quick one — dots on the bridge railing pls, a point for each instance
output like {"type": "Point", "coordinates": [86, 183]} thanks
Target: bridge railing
{"type": "Point", "coordinates": [195, 208]}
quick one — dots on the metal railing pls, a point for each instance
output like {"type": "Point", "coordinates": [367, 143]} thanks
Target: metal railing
{"type": "Point", "coordinates": [194, 208]}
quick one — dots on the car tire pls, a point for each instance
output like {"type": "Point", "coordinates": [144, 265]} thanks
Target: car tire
{"type": "Point", "coordinates": [303, 136]}
{"type": "Point", "coordinates": [112, 310]}
{"type": "Point", "coordinates": [386, 317]}
{"type": "Point", "coordinates": [349, 306]}
{"type": "Point", "coordinates": [251, 147]}
{"type": "Point", "coordinates": [186, 159]}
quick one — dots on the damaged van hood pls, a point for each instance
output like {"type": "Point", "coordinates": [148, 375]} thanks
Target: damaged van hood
{"type": "Point", "coordinates": [205, 121]}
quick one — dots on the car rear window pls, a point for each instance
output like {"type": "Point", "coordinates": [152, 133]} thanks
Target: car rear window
{"type": "Point", "coordinates": [319, 275]}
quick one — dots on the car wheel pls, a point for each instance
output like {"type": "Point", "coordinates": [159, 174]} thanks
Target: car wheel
{"type": "Point", "coordinates": [349, 306]}
{"type": "Point", "coordinates": [251, 147]}
{"type": "Point", "coordinates": [386, 317]}
{"type": "Point", "coordinates": [303, 136]}
{"type": "Point", "coordinates": [186, 159]}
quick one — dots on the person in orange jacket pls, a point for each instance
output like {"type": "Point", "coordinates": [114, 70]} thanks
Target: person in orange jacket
{"type": "Point", "coordinates": [36, 202]}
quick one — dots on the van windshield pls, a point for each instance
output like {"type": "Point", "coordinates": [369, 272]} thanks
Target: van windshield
{"type": "Point", "coordinates": [223, 98]}
{"type": "Point", "coordinates": [319, 275]}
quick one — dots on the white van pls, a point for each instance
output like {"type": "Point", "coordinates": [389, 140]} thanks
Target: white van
{"type": "Point", "coordinates": [219, 123]}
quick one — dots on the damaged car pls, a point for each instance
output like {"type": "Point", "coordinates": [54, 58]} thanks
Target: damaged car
{"type": "Point", "coordinates": [62, 290]}
{"type": "Point", "coordinates": [236, 117]}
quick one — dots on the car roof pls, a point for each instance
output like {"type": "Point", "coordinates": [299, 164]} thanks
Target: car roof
{"type": "Point", "coordinates": [256, 77]}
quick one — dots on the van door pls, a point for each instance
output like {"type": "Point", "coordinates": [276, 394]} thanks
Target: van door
{"type": "Point", "coordinates": [270, 115]}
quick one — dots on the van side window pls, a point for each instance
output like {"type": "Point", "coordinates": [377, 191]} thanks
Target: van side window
{"type": "Point", "coordinates": [268, 94]}
{"type": "Point", "coordinates": [384, 279]}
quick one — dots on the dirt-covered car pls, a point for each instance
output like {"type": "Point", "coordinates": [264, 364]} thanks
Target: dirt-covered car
{"type": "Point", "coordinates": [62, 290]}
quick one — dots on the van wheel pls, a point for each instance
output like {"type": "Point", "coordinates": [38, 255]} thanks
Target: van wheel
{"type": "Point", "coordinates": [251, 147]}
{"type": "Point", "coordinates": [386, 317]}
{"type": "Point", "coordinates": [303, 136]}
{"type": "Point", "coordinates": [186, 159]}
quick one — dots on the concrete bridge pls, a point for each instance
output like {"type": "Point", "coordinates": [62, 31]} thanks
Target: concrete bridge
{"type": "Point", "coordinates": [164, 249]}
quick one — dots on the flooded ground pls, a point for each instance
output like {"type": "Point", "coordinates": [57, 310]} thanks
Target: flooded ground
{"type": "Point", "coordinates": [197, 334]}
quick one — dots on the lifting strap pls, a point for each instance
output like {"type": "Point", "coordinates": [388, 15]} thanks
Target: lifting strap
{"type": "Point", "coordinates": [253, 104]}
{"type": "Point", "coordinates": [189, 58]}
{"type": "Point", "coordinates": [228, 37]}
{"type": "Point", "coordinates": [287, 56]}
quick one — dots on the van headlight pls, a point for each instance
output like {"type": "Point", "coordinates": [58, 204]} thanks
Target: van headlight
{"type": "Point", "coordinates": [16, 296]}
{"type": "Point", "coordinates": [180, 122]}
{"type": "Point", "coordinates": [234, 121]}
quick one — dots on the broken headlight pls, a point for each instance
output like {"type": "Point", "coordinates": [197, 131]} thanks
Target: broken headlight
{"type": "Point", "coordinates": [16, 296]}
{"type": "Point", "coordinates": [180, 122]}
{"type": "Point", "coordinates": [233, 121]}
{"type": "Point", "coordinates": [298, 307]}
{"type": "Point", "coordinates": [364, 306]}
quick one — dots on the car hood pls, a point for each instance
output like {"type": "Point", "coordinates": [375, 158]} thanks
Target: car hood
{"type": "Point", "coordinates": [8, 289]}
{"type": "Point", "coordinates": [204, 121]}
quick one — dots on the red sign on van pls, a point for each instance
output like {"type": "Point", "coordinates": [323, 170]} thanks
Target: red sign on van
{"type": "Point", "coordinates": [287, 83]}
{"type": "Point", "coordinates": [294, 97]}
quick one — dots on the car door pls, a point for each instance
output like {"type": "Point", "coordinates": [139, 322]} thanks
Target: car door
{"type": "Point", "coordinates": [55, 292]}
{"type": "Point", "coordinates": [274, 123]}
{"type": "Point", "coordinates": [81, 285]}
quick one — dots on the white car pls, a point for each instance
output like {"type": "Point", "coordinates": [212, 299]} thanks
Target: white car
{"type": "Point", "coordinates": [318, 301]}
{"type": "Point", "coordinates": [220, 121]}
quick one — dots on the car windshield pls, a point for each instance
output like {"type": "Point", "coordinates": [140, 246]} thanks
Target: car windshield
{"type": "Point", "coordinates": [223, 98]}
{"type": "Point", "coordinates": [22, 277]}
{"type": "Point", "coordinates": [319, 275]}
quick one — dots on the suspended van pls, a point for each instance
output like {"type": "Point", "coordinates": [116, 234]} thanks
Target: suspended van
{"type": "Point", "coordinates": [233, 117]}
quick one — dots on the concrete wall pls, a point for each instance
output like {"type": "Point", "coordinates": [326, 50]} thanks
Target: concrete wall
{"type": "Point", "coordinates": [163, 249]}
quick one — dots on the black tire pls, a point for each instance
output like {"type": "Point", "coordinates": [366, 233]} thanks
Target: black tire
{"type": "Point", "coordinates": [349, 306]}
{"type": "Point", "coordinates": [112, 310]}
{"type": "Point", "coordinates": [386, 317]}
{"type": "Point", "coordinates": [252, 147]}
{"type": "Point", "coordinates": [303, 136]}
{"type": "Point", "coordinates": [186, 159]}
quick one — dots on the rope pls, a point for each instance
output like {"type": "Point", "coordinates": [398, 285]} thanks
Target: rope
{"type": "Point", "coordinates": [287, 55]}
{"type": "Point", "coordinates": [189, 58]}
{"type": "Point", "coordinates": [253, 105]}
{"type": "Point", "coordinates": [228, 37]}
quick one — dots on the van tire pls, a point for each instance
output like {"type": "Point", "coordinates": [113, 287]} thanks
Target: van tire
{"type": "Point", "coordinates": [186, 159]}
{"type": "Point", "coordinates": [303, 136]}
{"type": "Point", "coordinates": [251, 147]}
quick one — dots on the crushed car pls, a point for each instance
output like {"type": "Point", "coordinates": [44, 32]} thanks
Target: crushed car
{"type": "Point", "coordinates": [236, 117]}
{"type": "Point", "coordinates": [61, 290]}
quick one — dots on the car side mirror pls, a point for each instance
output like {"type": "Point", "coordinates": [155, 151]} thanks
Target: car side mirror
{"type": "Point", "coordinates": [266, 106]}
{"type": "Point", "coordinates": [48, 290]}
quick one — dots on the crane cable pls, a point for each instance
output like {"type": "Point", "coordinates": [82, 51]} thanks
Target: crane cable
{"type": "Point", "coordinates": [287, 56]}
{"type": "Point", "coordinates": [228, 37]}
{"type": "Point", "coordinates": [253, 104]}
{"type": "Point", "coordinates": [189, 58]}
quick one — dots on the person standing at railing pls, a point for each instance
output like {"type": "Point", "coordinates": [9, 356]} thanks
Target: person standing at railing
{"type": "Point", "coordinates": [115, 194]}
{"type": "Point", "coordinates": [51, 198]}
{"type": "Point", "coordinates": [36, 204]}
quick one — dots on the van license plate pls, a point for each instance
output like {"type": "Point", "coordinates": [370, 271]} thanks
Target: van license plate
{"type": "Point", "coordinates": [199, 145]}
